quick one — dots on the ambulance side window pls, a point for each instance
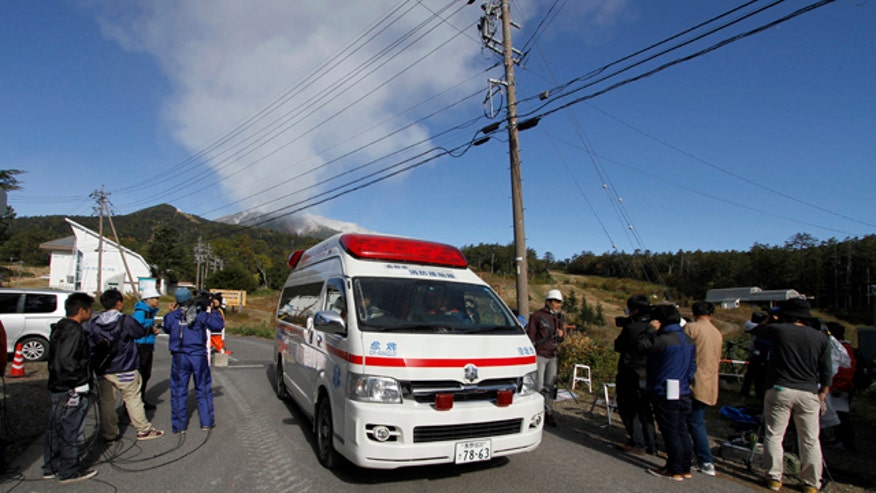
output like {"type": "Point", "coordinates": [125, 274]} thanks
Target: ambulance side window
{"type": "Point", "coordinates": [335, 297]}
{"type": "Point", "coordinates": [297, 303]}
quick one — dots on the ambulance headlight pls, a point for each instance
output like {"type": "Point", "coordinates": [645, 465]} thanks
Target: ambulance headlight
{"type": "Point", "coordinates": [368, 388]}
{"type": "Point", "coordinates": [528, 385]}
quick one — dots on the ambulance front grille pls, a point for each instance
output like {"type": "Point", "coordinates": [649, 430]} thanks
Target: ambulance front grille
{"type": "Point", "coordinates": [423, 434]}
{"type": "Point", "coordinates": [424, 391]}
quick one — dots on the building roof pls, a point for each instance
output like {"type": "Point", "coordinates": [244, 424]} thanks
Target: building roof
{"type": "Point", "coordinates": [730, 294]}
{"type": "Point", "coordinates": [750, 294]}
{"type": "Point", "coordinates": [66, 244]}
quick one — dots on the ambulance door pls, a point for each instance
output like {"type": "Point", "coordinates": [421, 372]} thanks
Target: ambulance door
{"type": "Point", "coordinates": [335, 300]}
{"type": "Point", "coordinates": [298, 304]}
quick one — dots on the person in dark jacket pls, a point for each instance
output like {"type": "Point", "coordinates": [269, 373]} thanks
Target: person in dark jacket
{"type": "Point", "coordinates": [189, 326]}
{"type": "Point", "coordinates": [798, 380]}
{"type": "Point", "coordinates": [671, 367]}
{"type": "Point", "coordinates": [633, 401]}
{"type": "Point", "coordinates": [70, 381]}
{"type": "Point", "coordinates": [122, 375]}
{"type": "Point", "coordinates": [546, 329]}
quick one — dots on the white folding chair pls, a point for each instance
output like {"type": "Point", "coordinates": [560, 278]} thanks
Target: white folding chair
{"type": "Point", "coordinates": [575, 378]}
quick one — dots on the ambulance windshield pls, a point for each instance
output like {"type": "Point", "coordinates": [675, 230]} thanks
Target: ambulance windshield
{"type": "Point", "coordinates": [430, 306]}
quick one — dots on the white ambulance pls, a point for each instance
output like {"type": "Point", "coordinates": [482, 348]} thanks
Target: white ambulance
{"type": "Point", "coordinates": [402, 356]}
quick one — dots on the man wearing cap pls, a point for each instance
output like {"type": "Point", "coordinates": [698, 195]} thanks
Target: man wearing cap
{"type": "Point", "coordinates": [798, 377]}
{"type": "Point", "coordinates": [144, 312]}
{"type": "Point", "coordinates": [189, 326]}
{"type": "Point", "coordinates": [546, 329]}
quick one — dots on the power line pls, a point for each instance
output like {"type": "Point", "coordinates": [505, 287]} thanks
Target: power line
{"type": "Point", "coordinates": [275, 103]}
{"type": "Point", "coordinates": [731, 173]}
{"type": "Point", "coordinates": [263, 140]}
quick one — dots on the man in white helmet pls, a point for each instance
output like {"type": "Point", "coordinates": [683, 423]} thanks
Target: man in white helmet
{"type": "Point", "coordinates": [546, 329]}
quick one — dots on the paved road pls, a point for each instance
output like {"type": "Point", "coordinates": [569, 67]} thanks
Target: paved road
{"type": "Point", "coordinates": [263, 444]}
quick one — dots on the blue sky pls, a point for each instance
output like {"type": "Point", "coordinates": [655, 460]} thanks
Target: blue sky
{"type": "Point", "coordinates": [217, 107]}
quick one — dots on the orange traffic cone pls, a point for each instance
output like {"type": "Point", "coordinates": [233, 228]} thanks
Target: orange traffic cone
{"type": "Point", "coordinates": [17, 363]}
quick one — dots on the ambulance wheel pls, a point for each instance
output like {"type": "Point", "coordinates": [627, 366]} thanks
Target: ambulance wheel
{"type": "Point", "coordinates": [280, 388]}
{"type": "Point", "coordinates": [325, 432]}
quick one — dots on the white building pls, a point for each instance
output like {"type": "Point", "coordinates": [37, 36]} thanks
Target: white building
{"type": "Point", "coordinates": [74, 263]}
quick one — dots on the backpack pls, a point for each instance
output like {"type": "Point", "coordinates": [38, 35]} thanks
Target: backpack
{"type": "Point", "coordinates": [106, 348]}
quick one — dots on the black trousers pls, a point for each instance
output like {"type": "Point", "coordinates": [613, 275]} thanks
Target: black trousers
{"type": "Point", "coordinates": [634, 407]}
{"type": "Point", "coordinates": [146, 352]}
{"type": "Point", "coordinates": [670, 418]}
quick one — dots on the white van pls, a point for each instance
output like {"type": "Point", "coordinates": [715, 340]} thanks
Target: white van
{"type": "Point", "coordinates": [28, 315]}
{"type": "Point", "coordinates": [402, 356]}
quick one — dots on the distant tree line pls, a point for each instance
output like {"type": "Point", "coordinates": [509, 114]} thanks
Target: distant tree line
{"type": "Point", "coordinates": [837, 273]}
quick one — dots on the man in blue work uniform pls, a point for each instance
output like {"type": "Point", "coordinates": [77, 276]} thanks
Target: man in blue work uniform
{"type": "Point", "coordinates": [189, 326]}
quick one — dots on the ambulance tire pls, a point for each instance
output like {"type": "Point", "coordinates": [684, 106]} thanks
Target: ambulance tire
{"type": "Point", "coordinates": [280, 387]}
{"type": "Point", "coordinates": [325, 432]}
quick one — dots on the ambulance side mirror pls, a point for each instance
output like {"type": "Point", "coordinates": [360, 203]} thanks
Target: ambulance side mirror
{"type": "Point", "coordinates": [330, 322]}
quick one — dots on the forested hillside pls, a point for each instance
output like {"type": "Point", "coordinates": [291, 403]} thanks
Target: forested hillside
{"type": "Point", "coordinates": [838, 274]}
{"type": "Point", "coordinates": [167, 238]}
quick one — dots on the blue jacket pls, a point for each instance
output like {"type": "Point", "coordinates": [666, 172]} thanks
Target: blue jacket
{"type": "Point", "coordinates": [145, 314]}
{"type": "Point", "coordinates": [189, 331]}
{"type": "Point", "coordinates": [127, 357]}
{"type": "Point", "coordinates": [671, 355]}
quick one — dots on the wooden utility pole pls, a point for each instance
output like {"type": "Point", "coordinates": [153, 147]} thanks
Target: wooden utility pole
{"type": "Point", "coordinates": [103, 209]}
{"type": "Point", "coordinates": [487, 26]}
{"type": "Point", "coordinates": [514, 152]}
{"type": "Point", "coordinates": [101, 200]}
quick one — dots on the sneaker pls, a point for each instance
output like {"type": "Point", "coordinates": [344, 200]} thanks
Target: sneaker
{"type": "Point", "coordinates": [664, 473]}
{"type": "Point", "coordinates": [179, 432]}
{"type": "Point", "coordinates": [79, 476]}
{"type": "Point", "coordinates": [49, 475]}
{"type": "Point", "coordinates": [150, 435]}
{"type": "Point", "coordinates": [687, 475]}
{"type": "Point", "coordinates": [207, 428]}
{"type": "Point", "coordinates": [774, 485]}
{"type": "Point", "coordinates": [708, 469]}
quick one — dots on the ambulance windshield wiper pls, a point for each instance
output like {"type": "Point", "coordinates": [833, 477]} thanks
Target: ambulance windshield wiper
{"type": "Point", "coordinates": [412, 328]}
{"type": "Point", "coordinates": [507, 329]}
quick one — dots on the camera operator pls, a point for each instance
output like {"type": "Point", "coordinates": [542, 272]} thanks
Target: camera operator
{"type": "Point", "coordinates": [633, 402]}
{"type": "Point", "coordinates": [188, 326]}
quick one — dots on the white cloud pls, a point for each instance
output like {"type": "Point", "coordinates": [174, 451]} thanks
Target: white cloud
{"type": "Point", "coordinates": [225, 59]}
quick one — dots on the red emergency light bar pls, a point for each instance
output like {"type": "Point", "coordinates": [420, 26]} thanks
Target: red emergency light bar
{"type": "Point", "coordinates": [294, 258]}
{"type": "Point", "coordinates": [372, 247]}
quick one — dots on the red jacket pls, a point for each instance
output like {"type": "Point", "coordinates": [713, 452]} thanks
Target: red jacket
{"type": "Point", "coordinates": [844, 380]}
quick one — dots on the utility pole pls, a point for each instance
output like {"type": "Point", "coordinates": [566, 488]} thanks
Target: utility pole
{"type": "Point", "coordinates": [100, 195]}
{"type": "Point", "coordinates": [487, 28]}
{"type": "Point", "coordinates": [103, 209]}
{"type": "Point", "coordinates": [514, 152]}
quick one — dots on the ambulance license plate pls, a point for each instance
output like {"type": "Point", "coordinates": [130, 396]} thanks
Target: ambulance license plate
{"type": "Point", "coordinates": [473, 451]}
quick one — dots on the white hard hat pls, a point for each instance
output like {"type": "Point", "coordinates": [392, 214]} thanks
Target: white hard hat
{"type": "Point", "coordinates": [149, 293]}
{"type": "Point", "coordinates": [554, 294]}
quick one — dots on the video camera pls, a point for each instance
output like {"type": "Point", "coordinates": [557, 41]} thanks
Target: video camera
{"type": "Point", "coordinates": [644, 311]}
{"type": "Point", "coordinates": [202, 300]}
